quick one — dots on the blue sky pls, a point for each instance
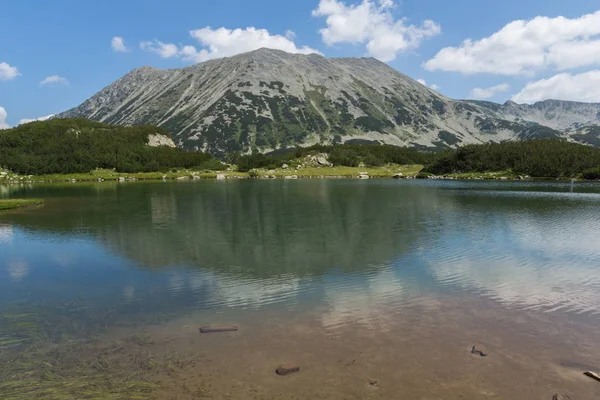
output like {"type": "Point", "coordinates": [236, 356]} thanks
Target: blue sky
{"type": "Point", "coordinates": [54, 55]}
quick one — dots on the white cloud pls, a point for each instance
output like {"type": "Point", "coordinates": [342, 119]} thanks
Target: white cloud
{"type": "Point", "coordinates": [54, 80]}
{"type": "Point", "coordinates": [486, 93]}
{"type": "Point", "coordinates": [526, 47]}
{"type": "Point", "coordinates": [7, 72]}
{"type": "Point", "coordinates": [165, 50]}
{"type": "Point", "coordinates": [28, 120]}
{"type": "Point", "coordinates": [432, 86]}
{"type": "Point", "coordinates": [118, 45]}
{"type": "Point", "coordinates": [3, 114]}
{"type": "Point", "coordinates": [223, 42]}
{"type": "Point", "coordinates": [289, 34]}
{"type": "Point", "coordinates": [373, 24]}
{"type": "Point", "coordinates": [565, 86]}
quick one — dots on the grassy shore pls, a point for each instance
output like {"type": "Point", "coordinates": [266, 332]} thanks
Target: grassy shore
{"type": "Point", "coordinates": [307, 172]}
{"type": "Point", "coordinates": [387, 171]}
{"type": "Point", "coordinates": [18, 203]}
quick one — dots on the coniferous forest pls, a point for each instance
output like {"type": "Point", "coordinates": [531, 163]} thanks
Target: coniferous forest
{"type": "Point", "coordinates": [80, 146]}
{"type": "Point", "coordinates": [537, 158]}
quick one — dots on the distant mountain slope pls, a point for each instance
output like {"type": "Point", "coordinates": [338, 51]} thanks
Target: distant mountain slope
{"type": "Point", "coordinates": [268, 99]}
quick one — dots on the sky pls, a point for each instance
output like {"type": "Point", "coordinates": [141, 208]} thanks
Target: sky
{"type": "Point", "coordinates": [56, 54]}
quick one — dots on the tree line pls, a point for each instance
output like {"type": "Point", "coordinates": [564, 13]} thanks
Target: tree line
{"type": "Point", "coordinates": [80, 146]}
{"type": "Point", "coordinates": [537, 158]}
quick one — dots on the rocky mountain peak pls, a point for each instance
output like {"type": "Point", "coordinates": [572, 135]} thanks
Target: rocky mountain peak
{"type": "Point", "coordinates": [267, 99]}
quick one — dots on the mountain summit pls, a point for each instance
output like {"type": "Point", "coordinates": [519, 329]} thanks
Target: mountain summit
{"type": "Point", "coordinates": [268, 99]}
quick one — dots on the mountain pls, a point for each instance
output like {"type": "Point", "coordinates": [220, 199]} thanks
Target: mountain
{"type": "Point", "coordinates": [268, 99]}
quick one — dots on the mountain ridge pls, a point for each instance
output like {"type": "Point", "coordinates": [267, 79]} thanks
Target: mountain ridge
{"type": "Point", "coordinates": [268, 99]}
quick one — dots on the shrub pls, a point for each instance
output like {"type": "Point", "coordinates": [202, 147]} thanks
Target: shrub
{"type": "Point", "coordinates": [592, 173]}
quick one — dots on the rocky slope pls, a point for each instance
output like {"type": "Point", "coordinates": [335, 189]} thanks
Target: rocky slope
{"type": "Point", "coordinates": [268, 99]}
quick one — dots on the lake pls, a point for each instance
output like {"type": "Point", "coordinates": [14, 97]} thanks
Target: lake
{"type": "Point", "coordinates": [375, 289]}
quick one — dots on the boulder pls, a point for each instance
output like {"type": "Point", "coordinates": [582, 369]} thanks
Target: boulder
{"type": "Point", "coordinates": [372, 382]}
{"type": "Point", "coordinates": [291, 177]}
{"type": "Point", "coordinates": [285, 166]}
{"type": "Point", "coordinates": [398, 176]}
{"type": "Point", "coordinates": [559, 396]}
{"type": "Point", "coordinates": [287, 368]}
{"type": "Point", "coordinates": [220, 177]}
{"type": "Point", "coordinates": [321, 160]}
{"type": "Point", "coordinates": [121, 179]}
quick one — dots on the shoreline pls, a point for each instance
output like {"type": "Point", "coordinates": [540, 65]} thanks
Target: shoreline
{"type": "Point", "coordinates": [13, 204]}
{"type": "Point", "coordinates": [387, 172]}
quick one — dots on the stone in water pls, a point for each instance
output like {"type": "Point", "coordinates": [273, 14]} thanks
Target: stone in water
{"type": "Point", "coordinates": [287, 368]}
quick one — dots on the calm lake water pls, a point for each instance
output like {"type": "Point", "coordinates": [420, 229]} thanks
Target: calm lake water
{"type": "Point", "coordinates": [137, 254]}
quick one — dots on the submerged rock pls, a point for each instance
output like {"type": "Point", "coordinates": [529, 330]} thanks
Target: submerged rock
{"type": "Point", "coordinates": [559, 396]}
{"type": "Point", "coordinates": [218, 328]}
{"type": "Point", "coordinates": [287, 368]}
{"type": "Point", "coordinates": [479, 350]}
{"type": "Point", "coordinates": [372, 382]}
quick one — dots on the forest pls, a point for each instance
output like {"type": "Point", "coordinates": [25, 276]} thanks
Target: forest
{"type": "Point", "coordinates": [80, 146]}
{"type": "Point", "coordinates": [536, 158]}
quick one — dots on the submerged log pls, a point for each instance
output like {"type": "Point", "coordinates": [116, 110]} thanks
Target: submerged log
{"type": "Point", "coordinates": [218, 328]}
{"type": "Point", "coordinates": [592, 375]}
{"type": "Point", "coordinates": [479, 350]}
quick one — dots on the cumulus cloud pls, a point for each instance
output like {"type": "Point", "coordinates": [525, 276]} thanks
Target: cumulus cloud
{"type": "Point", "coordinates": [372, 23]}
{"type": "Point", "coordinates": [28, 120]}
{"type": "Point", "coordinates": [223, 42]}
{"type": "Point", "coordinates": [8, 72]}
{"type": "Point", "coordinates": [565, 86]}
{"type": "Point", "coordinates": [3, 115]}
{"type": "Point", "coordinates": [53, 80]}
{"type": "Point", "coordinates": [432, 86]}
{"type": "Point", "coordinates": [526, 47]}
{"type": "Point", "coordinates": [486, 93]}
{"type": "Point", "coordinates": [165, 50]}
{"type": "Point", "coordinates": [118, 45]}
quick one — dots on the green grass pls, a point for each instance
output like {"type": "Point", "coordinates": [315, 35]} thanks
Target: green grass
{"type": "Point", "coordinates": [50, 352]}
{"type": "Point", "coordinates": [387, 171]}
{"type": "Point", "coordinates": [18, 203]}
{"type": "Point", "coordinates": [110, 175]}
{"type": "Point", "coordinates": [307, 172]}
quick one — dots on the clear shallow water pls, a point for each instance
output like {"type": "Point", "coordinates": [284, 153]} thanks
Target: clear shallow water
{"type": "Point", "coordinates": [341, 247]}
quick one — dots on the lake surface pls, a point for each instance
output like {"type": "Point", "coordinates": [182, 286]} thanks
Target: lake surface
{"type": "Point", "coordinates": [400, 265]}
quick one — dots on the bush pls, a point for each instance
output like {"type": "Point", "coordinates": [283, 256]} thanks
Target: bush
{"type": "Point", "coordinates": [80, 146]}
{"type": "Point", "coordinates": [592, 173]}
{"type": "Point", "coordinates": [539, 158]}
